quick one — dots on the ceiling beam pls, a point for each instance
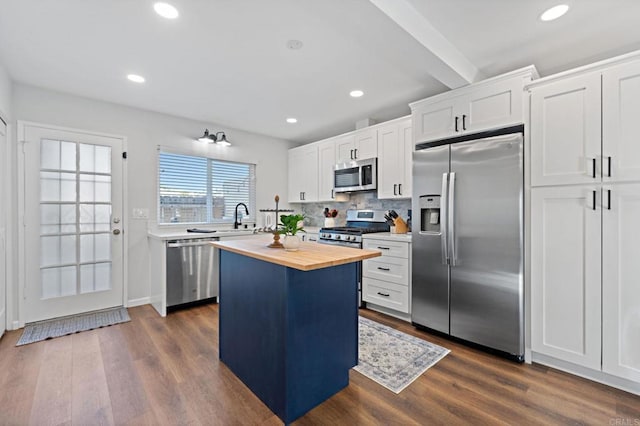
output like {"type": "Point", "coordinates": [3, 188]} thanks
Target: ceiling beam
{"type": "Point", "coordinates": [449, 66]}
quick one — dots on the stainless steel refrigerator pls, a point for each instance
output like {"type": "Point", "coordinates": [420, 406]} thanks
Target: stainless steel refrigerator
{"type": "Point", "coordinates": [467, 239]}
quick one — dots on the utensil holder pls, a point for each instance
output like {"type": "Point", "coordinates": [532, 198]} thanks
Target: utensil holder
{"type": "Point", "coordinates": [329, 222]}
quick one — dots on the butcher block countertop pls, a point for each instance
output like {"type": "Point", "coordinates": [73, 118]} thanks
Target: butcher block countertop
{"type": "Point", "coordinates": [310, 256]}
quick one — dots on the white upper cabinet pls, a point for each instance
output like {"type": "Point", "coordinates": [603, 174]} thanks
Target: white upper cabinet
{"type": "Point", "coordinates": [565, 273]}
{"type": "Point", "coordinates": [358, 145]}
{"type": "Point", "coordinates": [565, 131]}
{"type": "Point", "coordinates": [303, 174]}
{"type": "Point", "coordinates": [620, 114]}
{"type": "Point", "coordinates": [395, 149]}
{"type": "Point", "coordinates": [493, 103]}
{"type": "Point", "coordinates": [326, 162]}
{"type": "Point", "coordinates": [620, 279]}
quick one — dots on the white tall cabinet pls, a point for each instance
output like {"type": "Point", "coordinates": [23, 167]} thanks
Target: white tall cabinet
{"type": "Point", "coordinates": [303, 174]}
{"type": "Point", "coordinates": [395, 150]}
{"type": "Point", "coordinates": [585, 221]}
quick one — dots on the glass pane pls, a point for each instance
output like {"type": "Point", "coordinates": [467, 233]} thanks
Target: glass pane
{"type": "Point", "coordinates": [68, 156]}
{"type": "Point", "coordinates": [57, 282]}
{"type": "Point", "coordinates": [57, 218]}
{"type": "Point", "coordinates": [95, 247]}
{"type": "Point", "coordinates": [95, 277]}
{"type": "Point", "coordinates": [95, 188]}
{"type": "Point", "coordinates": [87, 154]}
{"type": "Point", "coordinates": [57, 250]}
{"type": "Point", "coordinates": [86, 248]}
{"type": "Point", "coordinates": [103, 159]}
{"type": "Point", "coordinates": [95, 218]}
{"type": "Point", "coordinates": [57, 186]}
{"type": "Point", "coordinates": [49, 154]}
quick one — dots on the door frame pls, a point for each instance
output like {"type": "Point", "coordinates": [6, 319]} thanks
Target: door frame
{"type": "Point", "coordinates": [20, 141]}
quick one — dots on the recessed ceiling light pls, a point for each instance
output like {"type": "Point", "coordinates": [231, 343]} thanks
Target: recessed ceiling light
{"type": "Point", "coordinates": [356, 93]}
{"type": "Point", "coordinates": [292, 120]}
{"type": "Point", "coordinates": [136, 78]}
{"type": "Point", "coordinates": [166, 10]}
{"type": "Point", "coordinates": [554, 13]}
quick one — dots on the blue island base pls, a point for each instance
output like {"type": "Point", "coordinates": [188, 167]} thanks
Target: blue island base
{"type": "Point", "coordinates": [291, 336]}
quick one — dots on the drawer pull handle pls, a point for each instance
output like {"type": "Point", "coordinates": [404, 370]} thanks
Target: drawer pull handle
{"type": "Point", "coordinates": [383, 269]}
{"type": "Point", "coordinates": [384, 248]}
{"type": "Point", "coordinates": [384, 294]}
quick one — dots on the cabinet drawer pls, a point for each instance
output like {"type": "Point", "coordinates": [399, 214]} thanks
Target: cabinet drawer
{"type": "Point", "coordinates": [393, 296]}
{"type": "Point", "coordinates": [387, 268]}
{"type": "Point", "coordinates": [388, 248]}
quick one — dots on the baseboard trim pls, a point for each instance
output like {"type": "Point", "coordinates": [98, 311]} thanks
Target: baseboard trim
{"type": "Point", "coordinates": [138, 302]}
{"type": "Point", "coordinates": [587, 373]}
{"type": "Point", "coordinates": [383, 310]}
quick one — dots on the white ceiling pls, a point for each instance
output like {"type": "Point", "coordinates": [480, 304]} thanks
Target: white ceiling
{"type": "Point", "coordinates": [226, 61]}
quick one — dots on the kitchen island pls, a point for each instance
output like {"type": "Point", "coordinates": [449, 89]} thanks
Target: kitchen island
{"type": "Point", "coordinates": [289, 320]}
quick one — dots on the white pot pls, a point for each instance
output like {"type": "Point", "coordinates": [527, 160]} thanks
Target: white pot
{"type": "Point", "coordinates": [291, 242]}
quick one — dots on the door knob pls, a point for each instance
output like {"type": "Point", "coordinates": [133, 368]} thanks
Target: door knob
{"type": "Point", "coordinates": [116, 232]}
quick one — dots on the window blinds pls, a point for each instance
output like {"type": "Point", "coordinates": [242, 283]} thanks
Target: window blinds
{"type": "Point", "coordinates": [195, 189]}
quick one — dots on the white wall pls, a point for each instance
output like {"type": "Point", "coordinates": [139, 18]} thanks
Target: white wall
{"type": "Point", "coordinates": [5, 94]}
{"type": "Point", "coordinates": [146, 130]}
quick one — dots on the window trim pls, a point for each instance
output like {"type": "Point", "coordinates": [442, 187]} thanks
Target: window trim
{"type": "Point", "coordinates": [251, 218]}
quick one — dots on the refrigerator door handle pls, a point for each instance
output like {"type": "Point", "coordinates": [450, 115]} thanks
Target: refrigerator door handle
{"type": "Point", "coordinates": [444, 248]}
{"type": "Point", "coordinates": [451, 230]}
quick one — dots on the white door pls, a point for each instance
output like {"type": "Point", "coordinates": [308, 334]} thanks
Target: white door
{"type": "Point", "coordinates": [73, 242]}
{"type": "Point", "coordinates": [565, 131]}
{"type": "Point", "coordinates": [620, 281]}
{"type": "Point", "coordinates": [366, 144]}
{"type": "Point", "coordinates": [620, 112]}
{"type": "Point", "coordinates": [4, 176]}
{"type": "Point", "coordinates": [565, 274]}
{"type": "Point", "coordinates": [326, 161]}
{"type": "Point", "coordinates": [435, 121]}
{"type": "Point", "coordinates": [345, 146]}
{"type": "Point", "coordinates": [391, 156]}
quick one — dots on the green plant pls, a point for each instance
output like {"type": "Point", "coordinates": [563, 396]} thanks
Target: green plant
{"type": "Point", "coordinates": [289, 224]}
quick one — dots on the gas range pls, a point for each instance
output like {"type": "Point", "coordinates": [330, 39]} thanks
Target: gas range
{"type": "Point", "coordinates": [359, 222]}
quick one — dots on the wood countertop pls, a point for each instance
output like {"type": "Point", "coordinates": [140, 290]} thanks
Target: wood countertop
{"type": "Point", "coordinates": [310, 256]}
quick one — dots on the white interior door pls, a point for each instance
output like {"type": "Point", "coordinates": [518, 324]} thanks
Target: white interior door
{"type": "Point", "coordinates": [3, 220]}
{"type": "Point", "coordinates": [73, 243]}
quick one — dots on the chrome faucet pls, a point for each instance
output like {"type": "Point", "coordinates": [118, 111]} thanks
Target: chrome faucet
{"type": "Point", "coordinates": [236, 223]}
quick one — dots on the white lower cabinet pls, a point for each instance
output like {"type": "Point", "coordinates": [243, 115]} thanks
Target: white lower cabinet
{"type": "Point", "coordinates": [386, 279]}
{"type": "Point", "coordinates": [565, 274]}
{"type": "Point", "coordinates": [585, 276]}
{"type": "Point", "coordinates": [621, 281]}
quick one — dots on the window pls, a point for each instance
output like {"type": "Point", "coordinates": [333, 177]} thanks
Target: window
{"type": "Point", "coordinates": [203, 190]}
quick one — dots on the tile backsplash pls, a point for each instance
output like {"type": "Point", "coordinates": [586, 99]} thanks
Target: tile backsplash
{"type": "Point", "coordinates": [358, 200]}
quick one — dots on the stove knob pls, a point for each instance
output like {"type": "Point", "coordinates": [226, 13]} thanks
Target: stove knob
{"type": "Point", "coordinates": [350, 238]}
{"type": "Point", "coordinates": [337, 237]}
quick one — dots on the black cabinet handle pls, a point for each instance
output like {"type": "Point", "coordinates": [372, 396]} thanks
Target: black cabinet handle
{"type": "Point", "coordinates": [594, 200]}
{"type": "Point", "coordinates": [384, 248]}
{"type": "Point", "coordinates": [399, 189]}
{"type": "Point", "coordinates": [593, 162]}
{"type": "Point", "coordinates": [383, 294]}
{"type": "Point", "coordinates": [355, 154]}
{"type": "Point", "coordinates": [300, 196]}
{"type": "Point", "coordinates": [609, 166]}
{"type": "Point", "coordinates": [609, 198]}
{"type": "Point", "coordinates": [383, 269]}
{"type": "Point", "coordinates": [395, 185]}
{"type": "Point", "coordinates": [456, 123]}
{"type": "Point", "coordinates": [332, 194]}
{"type": "Point", "coordinates": [464, 125]}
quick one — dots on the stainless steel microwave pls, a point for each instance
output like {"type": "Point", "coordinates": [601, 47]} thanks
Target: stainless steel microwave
{"type": "Point", "coordinates": [355, 175]}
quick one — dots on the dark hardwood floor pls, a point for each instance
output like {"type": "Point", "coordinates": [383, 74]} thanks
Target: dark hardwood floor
{"type": "Point", "coordinates": [156, 370]}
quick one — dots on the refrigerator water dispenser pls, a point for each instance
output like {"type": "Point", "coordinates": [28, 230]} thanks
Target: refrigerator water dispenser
{"type": "Point", "coordinates": [430, 213]}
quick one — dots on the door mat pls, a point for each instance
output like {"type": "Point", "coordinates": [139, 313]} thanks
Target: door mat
{"type": "Point", "coordinates": [43, 330]}
{"type": "Point", "coordinates": [392, 358]}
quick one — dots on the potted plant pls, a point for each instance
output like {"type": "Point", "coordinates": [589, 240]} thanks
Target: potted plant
{"type": "Point", "coordinates": [289, 227]}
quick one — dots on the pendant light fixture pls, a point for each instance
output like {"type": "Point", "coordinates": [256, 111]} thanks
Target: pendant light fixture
{"type": "Point", "coordinates": [219, 138]}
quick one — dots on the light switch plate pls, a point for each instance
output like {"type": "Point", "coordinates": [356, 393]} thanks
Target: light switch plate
{"type": "Point", "coordinates": [140, 213]}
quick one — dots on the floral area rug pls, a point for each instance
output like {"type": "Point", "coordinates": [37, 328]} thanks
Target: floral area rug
{"type": "Point", "coordinates": [392, 358]}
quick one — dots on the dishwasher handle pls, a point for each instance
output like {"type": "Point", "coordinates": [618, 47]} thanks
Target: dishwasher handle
{"type": "Point", "coordinates": [193, 244]}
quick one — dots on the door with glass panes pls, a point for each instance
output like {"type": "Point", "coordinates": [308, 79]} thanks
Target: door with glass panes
{"type": "Point", "coordinates": [73, 236]}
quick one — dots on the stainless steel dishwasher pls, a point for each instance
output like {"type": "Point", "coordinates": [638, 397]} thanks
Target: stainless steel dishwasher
{"type": "Point", "coordinates": [192, 272]}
